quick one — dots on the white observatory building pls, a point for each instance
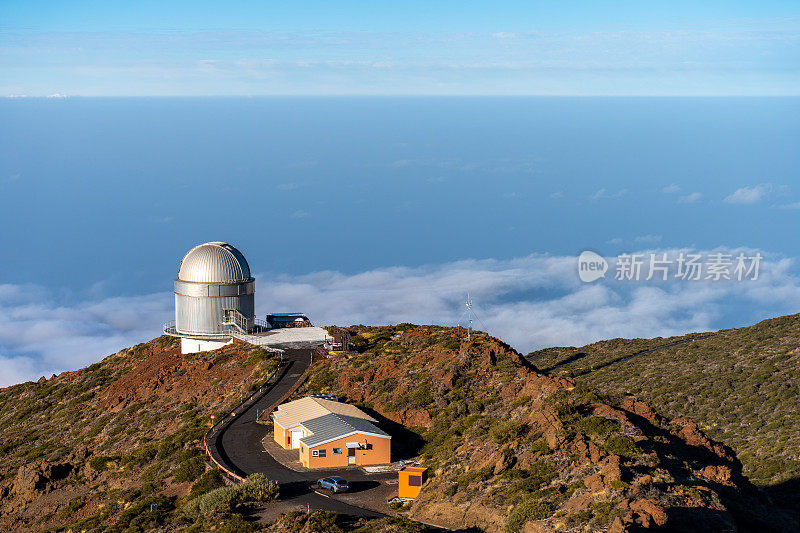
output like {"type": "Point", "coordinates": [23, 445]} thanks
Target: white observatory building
{"type": "Point", "coordinates": [213, 298]}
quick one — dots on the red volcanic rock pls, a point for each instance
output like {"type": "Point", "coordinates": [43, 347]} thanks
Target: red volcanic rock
{"type": "Point", "coordinates": [632, 405]}
{"type": "Point", "coordinates": [718, 474]}
{"type": "Point", "coordinates": [695, 437]}
{"type": "Point", "coordinates": [649, 513]}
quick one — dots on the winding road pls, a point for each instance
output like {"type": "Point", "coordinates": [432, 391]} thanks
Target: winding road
{"type": "Point", "coordinates": [236, 444]}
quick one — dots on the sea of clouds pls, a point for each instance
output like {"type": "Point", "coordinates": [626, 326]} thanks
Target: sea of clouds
{"type": "Point", "coordinates": [530, 302]}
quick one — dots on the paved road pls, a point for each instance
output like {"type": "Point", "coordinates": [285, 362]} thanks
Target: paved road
{"type": "Point", "coordinates": [238, 446]}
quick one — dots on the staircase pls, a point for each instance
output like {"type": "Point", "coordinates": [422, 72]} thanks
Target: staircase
{"type": "Point", "coordinates": [232, 317]}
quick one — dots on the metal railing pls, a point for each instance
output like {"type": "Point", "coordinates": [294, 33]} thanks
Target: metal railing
{"type": "Point", "coordinates": [169, 329]}
{"type": "Point", "coordinates": [212, 432]}
{"type": "Point", "coordinates": [232, 317]}
{"type": "Point", "coordinates": [239, 325]}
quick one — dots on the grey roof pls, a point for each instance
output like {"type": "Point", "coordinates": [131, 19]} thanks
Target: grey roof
{"type": "Point", "coordinates": [332, 426]}
{"type": "Point", "coordinates": [214, 262]}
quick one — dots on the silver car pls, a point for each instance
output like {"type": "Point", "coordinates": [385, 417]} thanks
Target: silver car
{"type": "Point", "coordinates": [333, 484]}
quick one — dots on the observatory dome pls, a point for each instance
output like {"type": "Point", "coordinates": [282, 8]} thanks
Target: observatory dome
{"type": "Point", "coordinates": [214, 262]}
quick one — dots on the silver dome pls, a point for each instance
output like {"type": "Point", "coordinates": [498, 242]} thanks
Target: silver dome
{"type": "Point", "coordinates": [214, 262]}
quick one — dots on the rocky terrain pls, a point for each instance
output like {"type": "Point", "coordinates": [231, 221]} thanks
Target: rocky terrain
{"type": "Point", "coordinates": [742, 386]}
{"type": "Point", "coordinates": [117, 446]}
{"type": "Point", "coordinates": [96, 447]}
{"type": "Point", "coordinates": [511, 449]}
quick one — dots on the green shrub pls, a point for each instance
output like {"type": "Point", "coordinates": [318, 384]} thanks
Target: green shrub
{"type": "Point", "coordinates": [143, 515]}
{"type": "Point", "coordinates": [236, 524]}
{"type": "Point", "coordinates": [73, 506]}
{"type": "Point", "coordinates": [529, 509]}
{"type": "Point", "coordinates": [255, 488]}
{"type": "Point", "coordinates": [540, 472]}
{"type": "Point", "coordinates": [540, 446]}
{"type": "Point", "coordinates": [221, 499]}
{"type": "Point", "coordinates": [395, 524]}
{"type": "Point", "coordinates": [598, 427]}
{"type": "Point", "coordinates": [142, 455]}
{"type": "Point", "coordinates": [100, 462]}
{"type": "Point", "coordinates": [190, 469]}
{"type": "Point", "coordinates": [507, 430]}
{"type": "Point", "coordinates": [621, 445]}
{"type": "Point", "coordinates": [604, 512]}
{"type": "Point", "coordinates": [207, 482]}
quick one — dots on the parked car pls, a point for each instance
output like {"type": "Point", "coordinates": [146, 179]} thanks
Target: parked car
{"type": "Point", "coordinates": [333, 484]}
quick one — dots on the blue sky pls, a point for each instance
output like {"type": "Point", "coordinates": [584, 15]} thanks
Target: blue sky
{"type": "Point", "coordinates": [389, 48]}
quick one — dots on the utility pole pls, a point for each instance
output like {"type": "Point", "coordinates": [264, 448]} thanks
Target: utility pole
{"type": "Point", "coordinates": [469, 317]}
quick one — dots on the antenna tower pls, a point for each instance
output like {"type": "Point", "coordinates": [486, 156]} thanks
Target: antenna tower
{"type": "Point", "coordinates": [469, 317]}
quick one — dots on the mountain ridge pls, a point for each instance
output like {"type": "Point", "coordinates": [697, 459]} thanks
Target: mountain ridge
{"type": "Point", "coordinates": [508, 448]}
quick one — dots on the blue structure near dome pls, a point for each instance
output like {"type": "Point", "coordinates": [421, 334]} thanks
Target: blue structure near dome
{"type": "Point", "coordinates": [288, 320]}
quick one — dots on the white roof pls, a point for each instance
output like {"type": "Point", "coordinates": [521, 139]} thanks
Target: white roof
{"type": "Point", "coordinates": [294, 413]}
{"type": "Point", "coordinates": [214, 262]}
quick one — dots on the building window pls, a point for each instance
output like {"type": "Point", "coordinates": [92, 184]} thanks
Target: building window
{"type": "Point", "coordinates": [315, 453]}
{"type": "Point", "coordinates": [414, 481]}
{"type": "Point", "coordinates": [322, 453]}
{"type": "Point", "coordinates": [337, 451]}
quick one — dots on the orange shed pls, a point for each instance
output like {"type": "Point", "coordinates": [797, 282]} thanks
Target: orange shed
{"type": "Point", "coordinates": [411, 480]}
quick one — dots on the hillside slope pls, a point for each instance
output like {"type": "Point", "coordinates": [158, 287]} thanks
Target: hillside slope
{"type": "Point", "coordinates": [117, 446]}
{"type": "Point", "coordinates": [511, 449]}
{"type": "Point", "coordinates": [741, 385]}
{"type": "Point", "coordinates": [96, 447]}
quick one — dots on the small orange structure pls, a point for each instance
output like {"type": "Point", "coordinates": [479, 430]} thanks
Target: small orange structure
{"type": "Point", "coordinates": [411, 480]}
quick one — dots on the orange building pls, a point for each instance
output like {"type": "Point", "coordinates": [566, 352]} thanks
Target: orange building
{"type": "Point", "coordinates": [411, 480]}
{"type": "Point", "coordinates": [329, 434]}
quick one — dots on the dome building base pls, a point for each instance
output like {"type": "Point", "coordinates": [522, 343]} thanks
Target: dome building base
{"type": "Point", "coordinates": [189, 345]}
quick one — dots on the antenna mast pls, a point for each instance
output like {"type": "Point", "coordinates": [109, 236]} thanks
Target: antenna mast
{"type": "Point", "coordinates": [469, 317]}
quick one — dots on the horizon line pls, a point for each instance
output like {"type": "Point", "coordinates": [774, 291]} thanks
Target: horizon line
{"type": "Point", "coordinates": [395, 95]}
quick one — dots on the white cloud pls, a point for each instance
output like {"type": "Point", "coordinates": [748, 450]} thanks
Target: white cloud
{"type": "Point", "coordinates": [748, 195]}
{"type": "Point", "coordinates": [691, 198]}
{"type": "Point", "coordinates": [301, 214]}
{"type": "Point", "coordinates": [795, 205]}
{"type": "Point", "coordinates": [556, 195]}
{"type": "Point", "coordinates": [40, 337]}
{"type": "Point", "coordinates": [564, 312]}
{"type": "Point", "coordinates": [530, 302]}
{"type": "Point", "coordinates": [671, 189]}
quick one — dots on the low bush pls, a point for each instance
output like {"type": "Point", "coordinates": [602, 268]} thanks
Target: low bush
{"type": "Point", "coordinates": [540, 446]}
{"type": "Point", "coordinates": [255, 488]}
{"type": "Point", "coordinates": [190, 469]}
{"type": "Point", "coordinates": [207, 482]}
{"type": "Point", "coordinates": [100, 462]}
{"type": "Point", "coordinates": [507, 430]}
{"type": "Point", "coordinates": [236, 524]}
{"type": "Point", "coordinates": [621, 445]}
{"type": "Point", "coordinates": [529, 509]}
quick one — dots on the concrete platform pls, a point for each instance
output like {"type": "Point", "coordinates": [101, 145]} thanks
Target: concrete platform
{"type": "Point", "coordinates": [288, 337]}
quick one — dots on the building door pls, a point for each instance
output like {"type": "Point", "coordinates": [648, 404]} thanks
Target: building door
{"type": "Point", "coordinates": [297, 434]}
{"type": "Point", "coordinates": [351, 456]}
